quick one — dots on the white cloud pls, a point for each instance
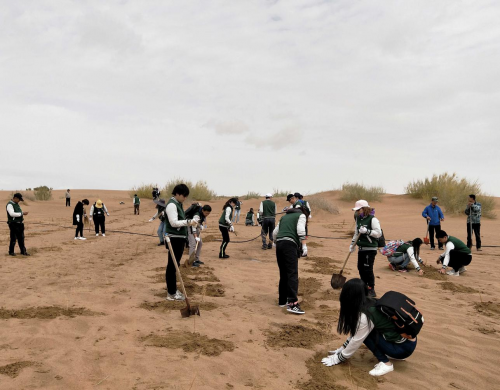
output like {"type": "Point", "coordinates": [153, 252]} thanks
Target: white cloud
{"type": "Point", "coordinates": [227, 127]}
{"type": "Point", "coordinates": [279, 140]}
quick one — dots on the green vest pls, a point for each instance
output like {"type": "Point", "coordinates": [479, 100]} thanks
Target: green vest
{"type": "Point", "coordinates": [384, 325]}
{"type": "Point", "coordinates": [297, 204]}
{"type": "Point", "coordinates": [363, 239]}
{"type": "Point", "coordinates": [249, 216]}
{"type": "Point", "coordinates": [222, 219]}
{"type": "Point", "coordinates": [402, 248]}
{"type": "Point", "coordinates": [137, 200]}
{"type": "Point", "coordinates": [288, 227]}
{"type": "Point", "coordinates": [459, 245]}
{"type": "Point", "coordinates": [17, 209]}
{"type": "Point", "coordinates": [268, 209]}
{"type": "Point", "coordinates": [170, 230]}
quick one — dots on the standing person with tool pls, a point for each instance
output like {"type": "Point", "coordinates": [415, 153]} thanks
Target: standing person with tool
{"type": "Point", "coordinates": [237, 210]}
{"type": "Point", "coordinates": [226, 226]}
{"type": "Point", "coordinates": [160, 214]}
{"type": "Point", "coordinates": [290, 238]}
{"type": "Point", "coordinates": [199, 215]}
{"type": "Point", "coordinates": [176, 228]}
{"type": "Point", "coordinates": [78, 218]}
{"type": "Point", "coordinates": [137, 203]}
{"type": "Point", "coordinates": [433, 214]}
{"type": "Point", "coordinates": [366, 236]}
{"type": "Point", "coordinates": [15, 220]}
{"type": "Point", "coordinates": [473, 212]}
{"type": "Point", "coordinates": [97, 213]}
{"type": "Point", "coordinates": [456, 255]}
{"type": "Point", "coordinates": [267, 212]}
{"type": "Point", "coordinates": [68, 198]}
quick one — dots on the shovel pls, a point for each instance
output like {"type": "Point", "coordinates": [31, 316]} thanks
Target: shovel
{"type": "Point", "coordinates": [426, 238]}
{"type": "Point", "coordinates": [189, 310]}
{"type": "Point", "coordinates": [192, 257]}
{"type": "Point", "coordinates": [338, 280]}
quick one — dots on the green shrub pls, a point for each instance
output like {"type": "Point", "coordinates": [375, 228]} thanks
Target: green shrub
{"type": "Point", "coordinates": [252, 195]}
{"type": "Point", "coordinates": [42, 193]}
{"type": "Point", "coordinates": [277, 193]}
{"type": "Point", "coordinates": [452, 192]}
{"type": "Point", "coordinates": [353, 192]}
{"type": "Point", "coordinates": [322, 204]}
{"type": "Point", "coordinates": [143, 191]}
{"type": "Point", "coordinates": [198, 191]}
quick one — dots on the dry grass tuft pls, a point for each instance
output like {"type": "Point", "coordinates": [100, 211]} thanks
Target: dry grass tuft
{"type": "Point", "coordinates": [356, 191]}
{"type": "Point", "coordinates": [198, 191]}
{"type": "Point", "coordinates": [323, 204]}
{"type": "Point", "coordinates": [252, 195]}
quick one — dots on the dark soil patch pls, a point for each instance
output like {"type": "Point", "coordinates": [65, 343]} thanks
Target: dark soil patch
{"type": "Point", "coordinates": [14, 369]}
{"type": "Point", "coordinates": [209, 238]}
{"type": "Point", "coordinates": [298, 336]}
{"type": "Point", "coordinates": [322, 265]}
{"type": "Point", "coordinates": [189, 342]}
{"type": "Point", "coordinates": [314, 244]}
{"type": "Point", "coordinates": [45, 312]}
{"type": "Point", "coordinates": [327, 315]}
{"type": "Point", "coordinates": [330, 295]}
{"type": "Point", "coordinates": [308, 286]}
{"type": "Point", "coordinates": [485, 330]}
{"type": "Point", "coordinates": [432, 273]}
{"type": "Point", "coordinates": [200, 274]}
{"type": "Point", "coordinates": [210, 289]}
{"type": "Point", "coordinates": [489, 309]}
{"type": "Point", "coordinates": [450, 286]}
{"type": "Point", "coordinates": [327, 378]}
{"type": "Point", "coordinates": [163, 306]}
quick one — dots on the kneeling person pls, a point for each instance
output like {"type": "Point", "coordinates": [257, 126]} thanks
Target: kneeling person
{"type": "Point", "coordinates": [456, 255]}
{"type": "Point", "coordinates": [406, 253]}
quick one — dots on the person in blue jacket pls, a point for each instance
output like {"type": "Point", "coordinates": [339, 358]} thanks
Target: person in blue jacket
{"type": "Point", "coordinates": [434, 216]}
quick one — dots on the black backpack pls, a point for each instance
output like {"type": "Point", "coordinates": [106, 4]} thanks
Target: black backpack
{"type": "Point", "coordinates": [381, 239]}
{"type": "Point", "coordinates": [401, 309]}
{"type": "Point", "coordinates": [191, 210]}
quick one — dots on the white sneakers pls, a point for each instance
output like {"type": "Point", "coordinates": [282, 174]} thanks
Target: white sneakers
{"type": "Point", "coordinates": [80, 238]}
{"type": "Point", "coordinates": [452, 272]}
{"type": "Point", "coordinates": [97, 235]}
{"type": "Point", "coordinates": [462, 269]}
{"type": "Point", "coordinates": [178, 296]}
{"type": "Point", "coordinates": [381, 369]}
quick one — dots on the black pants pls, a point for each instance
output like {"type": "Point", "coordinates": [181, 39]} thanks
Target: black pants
{"type": "Point", "coordinates": [100, 222]}
{"type": "Point", "coordinates": [79, 229]}
{"type": "Point", "coordinates": [136, 209]}
{"type": "Point", "coordinates": [178, 245]}
{"type": "Point", "coordinates": [288, 264]}
{"type": "Point", "coordinates": [476, 227]}
{"type": "Point", "coordinates": [16, 234]}
{"type": "Point", "coordinates": [459, 259]}
{"type": "Point", "coordinates": [365, 267]}
{"type": "Point", "coordinates": [267, 228]}
{"type": "Point", "coordinates": [68, 202]}
{"type": "Point", "coordinates": [225, 240]}
{"type": "Point", "coordinates": [432, 229]}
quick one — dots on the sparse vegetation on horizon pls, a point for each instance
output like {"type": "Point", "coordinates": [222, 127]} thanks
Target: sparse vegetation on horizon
{"type": "Point", "coordinates": [198, 191]}
{"type": "Point", "coordinates": [452, 192]}
{"type": "Point", "coordinates": [323, 204]}
{"type": "Point", "coordinates": [356, 191]}
{"type": "Point", "coordinates": [277, 193]}
{"type": "Point", "coordinates": [252, 195]}
{"type": "Point", "coordinates": [144, 191]}
{"type": "Point", "coordinates": [42, 193]}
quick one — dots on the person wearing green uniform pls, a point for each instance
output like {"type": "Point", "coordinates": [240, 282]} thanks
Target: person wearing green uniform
{"type": "Point", "coordinates": [290, 236]}
{"type": "Point", "coordinates": [407, 253]}
{"type": "Point", "coordinates": [250, 218]}
{"type": "Point", "coordinates": [15, 220]}
{"type": "Point", "coordinates": [267, 212]}
{"type": "Point", "coordinates": [137, 203]}
{"type": "Point", "coordinates": [226, 226]}
{"type": "Point", "coordinates": [456, 255]}
{"type": "Point", "coordinates": [366, 237]}
{"type": "Point", "coordinates": [176, 228]}
{"type": "Point", "coordinates": [365, 324]}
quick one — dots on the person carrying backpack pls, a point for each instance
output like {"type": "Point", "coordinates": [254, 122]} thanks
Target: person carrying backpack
{"type": "Point", "coordinates": [267, 211]}
{"type": "Point", "coordinates": [237, 211]}
{"type": "Point", "coordinates": [405, 253]}
{"type": "Point", "coordinates": [226, 226]}
{"type": "Point", "coordinates": [199, 214]}
{"type": "Point", "coordinates": [250, 218]}
{"type": "Point", "coordinates": [137, 203]}
{"type": "Point", "coordinates": [366, 236]}
{"type": "Point", "coordinates": [98, 213]}
{"type": "Point", "coordinates": [160, 214]}
{"type": "Point", "coordinates": [366, 323]}
{"type": "Point", "coordinates": [305, 203]}
{"type": "Point", "coordinates": [456, 255]}
{"type": "Point", "coordinates": [290, 238]}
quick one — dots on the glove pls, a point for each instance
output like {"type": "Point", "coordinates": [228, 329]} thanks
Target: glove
{"type": "Point", "coordinates": [274, 245]}
{"type": "Point", "coordinates": [363, 230]}
{"type": "Point", "coordinates": [231, 229]}
{"type": "Point", "coordinates": [351, 248]}
{"type": "Point", "coordinates": [151, 220]}
{"type": "Point", "coordinates": [332, 360]}
{"type": "Point", "coordinates": [310, 216]}
{"type": "Point", "coordinates": [192, 222]}
{"type": "Point", "coordinates": [202, 227]}
{"type": "Point", "coordinates": [304, 250]}
{"type": "Point", "coordinates": [107, 214]}
{"type": "Point", "coordinates": [198, 239]}
{"type": "Point", "coordinates": [77, 218]}
{"type": "Point", "coordinates": [336, 351]}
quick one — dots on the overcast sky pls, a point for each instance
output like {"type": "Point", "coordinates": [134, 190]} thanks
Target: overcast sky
{"type": "Point", "coordinates": [248, 95]}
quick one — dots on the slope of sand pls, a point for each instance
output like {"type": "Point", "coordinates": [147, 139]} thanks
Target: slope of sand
{"type": "Point", "coordinates": [92, 314]}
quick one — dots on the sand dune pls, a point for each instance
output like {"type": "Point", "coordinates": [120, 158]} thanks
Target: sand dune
{"type": "Point", "coordinates": [92, 314]}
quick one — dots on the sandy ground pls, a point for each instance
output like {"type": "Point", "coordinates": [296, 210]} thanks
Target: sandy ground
{"type": "Point", "coordinates": [92, 314]}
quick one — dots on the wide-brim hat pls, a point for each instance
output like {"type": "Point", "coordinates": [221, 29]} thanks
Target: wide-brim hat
{"type": "Point", "coordinates": [98, 204]}
{"type": "Point", "coordinates": [360, 204]}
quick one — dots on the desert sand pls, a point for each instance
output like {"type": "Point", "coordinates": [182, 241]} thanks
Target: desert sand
{"type": "Point", "coordinates": [92, 314]}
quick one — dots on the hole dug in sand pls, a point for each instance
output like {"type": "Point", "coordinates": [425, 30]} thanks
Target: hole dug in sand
{"type": "Point", "coordinates": [314, 244]}
{"type": "Point", "coordinates": [489, 309]}
{"type": "Point", "coordinates": [14, 369]}
{"type": "Point", "coordinates": [432, 273]}
{"type": "Point", "coordinates": [322, 265]}
{"type": "Point", "coordinates": [297, 336]}
{"type": "Point", "coordinates": [45, 312]}
{"type": "Point", "coordinates": [189, 342]}
{"type": "Point", "coordinates": [453, 287]}
{"type": "Point", "coordinates": [327, 378]}
{"type": "Point", "coordinates": [175, 305]}
{"type": "Point", "coordinates": [209, 238]}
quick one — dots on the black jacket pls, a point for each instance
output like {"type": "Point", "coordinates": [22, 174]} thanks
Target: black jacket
{"type": "Point", "coordinates": [78, 211]}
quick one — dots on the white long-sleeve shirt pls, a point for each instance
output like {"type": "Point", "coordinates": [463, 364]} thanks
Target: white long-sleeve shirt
{"type": "Point", "coordinates": [413, 259]}
{"type": "Point", "coordinates": [92, 210]}
{"type": "Point", "coordinates": [173, 217]}
{"type": "Point", "coordinates": [301, 229]}
{"type": "Point", "coordinates": [12, 213]}
{"type": "Point", "coordinates": [376, 232]}
{"type": "Point", "coordinates": [227, 217]}
{"type": "Point", "coordinates": [446, 255]}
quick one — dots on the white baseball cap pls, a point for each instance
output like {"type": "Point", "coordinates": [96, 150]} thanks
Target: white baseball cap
{"type": "Point", "coordinates": [359, 204]}
{"type": "Point", "coordinates": [268, 195]}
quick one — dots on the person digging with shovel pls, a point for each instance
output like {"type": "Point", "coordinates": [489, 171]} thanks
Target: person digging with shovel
{"type": "Point", "coordinates": [366, 236]}
{"type": "Point", "coordinates": [226, 226]}
{"type": "Point", "coordinates": [194, 235]}
{"type": "Point", "coordinates": [176, 229]}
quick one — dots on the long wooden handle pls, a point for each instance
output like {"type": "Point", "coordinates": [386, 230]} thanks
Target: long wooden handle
{"type": "Point", "coordinates": [176, 265]}
{"type": "Point", "coordinates": [349, 254]}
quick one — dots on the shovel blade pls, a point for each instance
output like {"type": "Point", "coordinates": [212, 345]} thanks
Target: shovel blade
{"type": "Point", "coordinates": [191, 259]}
{"type": "Point", "coordinates": [337, 281]}
{"type": "Point", "coordinates": [426, 241]}
{"type": "Point", "coordinates": [189, 311]}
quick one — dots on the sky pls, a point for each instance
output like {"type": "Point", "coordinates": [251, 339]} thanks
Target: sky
{"type": "Point", "coordinates": [248, 95]}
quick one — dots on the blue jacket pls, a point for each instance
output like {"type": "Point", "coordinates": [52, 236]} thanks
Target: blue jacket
{"type": "Point", "coordinates": [435, 213]}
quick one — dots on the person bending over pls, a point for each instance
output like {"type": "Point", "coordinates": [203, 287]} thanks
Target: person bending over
{"type": "Point", "coordinates": [456, 255]}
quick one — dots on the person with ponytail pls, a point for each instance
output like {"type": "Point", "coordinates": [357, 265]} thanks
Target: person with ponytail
{"type": "Point", "coordinates": [226, 225]}
{"type": "Point", "coordinates": [365, 324]}
{"type": "Point", "coordinates": [406, 253]}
